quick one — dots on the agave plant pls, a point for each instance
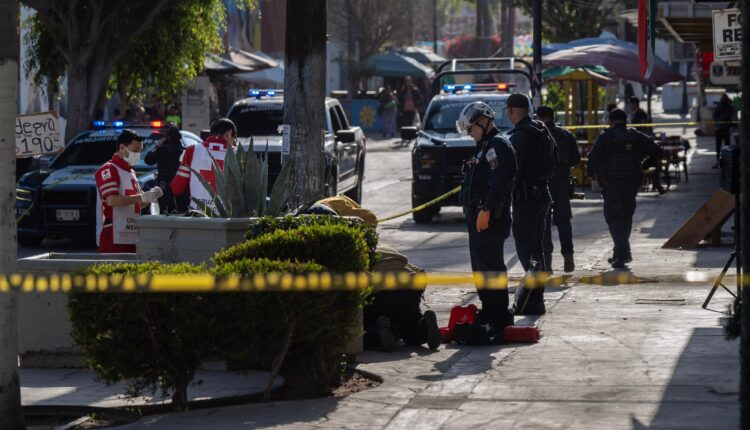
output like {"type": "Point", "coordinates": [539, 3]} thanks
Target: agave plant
{"type": "Point", "coordinates": [242, 185]}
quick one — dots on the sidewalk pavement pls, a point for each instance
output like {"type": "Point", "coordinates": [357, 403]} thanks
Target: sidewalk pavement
{"type": "Point", "coordinates": [612, 357]}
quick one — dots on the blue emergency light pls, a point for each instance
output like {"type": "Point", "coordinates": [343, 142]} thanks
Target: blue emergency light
{"type": "Point", "coordinates": [118, 124]}
{"type": "Point", "coordinates": [450, 88]}
{"type": "Point", "coordinates": [99, 123]}
{"type": "Point", "coordinates": [264, 93]}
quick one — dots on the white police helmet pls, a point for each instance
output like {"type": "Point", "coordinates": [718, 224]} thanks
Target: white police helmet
{"type": "Point", "coordinates": [471, 113]}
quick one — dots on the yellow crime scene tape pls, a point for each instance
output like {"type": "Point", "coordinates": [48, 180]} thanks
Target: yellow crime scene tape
{"type": "Point", "coordinates": [285, 282]}
{"type": "Point", "coordinates": [423, 206]}
{"type": "Point", "coordinates": [653, 124]}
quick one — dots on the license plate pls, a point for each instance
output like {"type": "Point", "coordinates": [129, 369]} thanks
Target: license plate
{"type": "Point", "coordinates": [68, 214]}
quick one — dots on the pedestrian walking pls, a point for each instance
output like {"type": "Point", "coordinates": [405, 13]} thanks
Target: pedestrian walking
{"type": "Point", "coordinates": [410, 103]}
{"type": "Point", "coordinates": [200, 159]}
{"type": "Point", "coordinates": [723, 114]}
{"type": "Point", "coordinates": [388, 110]}
{"type": "Point", "coordinates": [486, 198]}
{"type": "Point", "coordinates": [560, 213]}
{"type": "Point", "coordinates": [119, 196]}
{"type": "Point", "coordinates": [618, 158]}
{"type": "Point", "coordinates": [166, 156]}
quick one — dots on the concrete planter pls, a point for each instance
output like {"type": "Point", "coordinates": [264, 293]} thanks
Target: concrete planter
{"type": "Point", "coordinates": [193, 240]}
{"type": "Point", "coordinates": [43, 326]}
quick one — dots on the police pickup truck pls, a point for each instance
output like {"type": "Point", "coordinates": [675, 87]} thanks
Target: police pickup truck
{"type": "Point", "coordinates": [59, 202]}
{"type": "Point", "coordinates": [260, 116]}
{"type": "Point", "coordinates": [440, 151]}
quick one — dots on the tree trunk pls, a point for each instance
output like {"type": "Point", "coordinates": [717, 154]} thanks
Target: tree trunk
{"type": "Point", "coordinates": [484, 28]}
{"type": "Point", "coordinates": [304, 96]}
{"type": "Point", "coordinates": [11, 414]}
{"type": "Point", "coordinates": [180, 397]}
{"type": "Point", "coordinates": [86, 86]}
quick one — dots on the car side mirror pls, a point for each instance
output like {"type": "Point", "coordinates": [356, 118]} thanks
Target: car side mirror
{"type": "Point", "coordinates": [408, 133]}
{"type": "Point", "coordinates": [346, 136]}
{"type": "Point", "coordinates": [205, 134]}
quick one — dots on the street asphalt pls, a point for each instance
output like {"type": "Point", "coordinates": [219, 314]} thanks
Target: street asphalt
{"type": "Point", "coordinates": [611, 357]}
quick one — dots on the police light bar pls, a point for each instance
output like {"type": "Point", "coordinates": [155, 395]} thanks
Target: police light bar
{"type": "Point", "coordinates": [476, 87]}
{"type": "Point", "coordinates": [98, 124]}
{"type": "Point", "coordinates": [264, 93]}
{"type": "Point", "coordinates": [156, 124]}
{"type": "Point", "coordinates": [118, 124]}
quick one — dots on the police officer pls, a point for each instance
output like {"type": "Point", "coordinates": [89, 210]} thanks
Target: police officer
{"type": "Point", "coordinates": [486, 197]}
{"type": "Point", "coordinates": [166, 156]}
{"type": "Point", "coordinates": [535, 153]}
{"type": "Point", "coordinates": [617, 160]}
{"type": "Point", "coordinates": [560, 213]}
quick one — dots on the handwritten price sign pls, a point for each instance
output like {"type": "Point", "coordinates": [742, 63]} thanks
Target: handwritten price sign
{"type": "Point", "coordinates": [38, 134]}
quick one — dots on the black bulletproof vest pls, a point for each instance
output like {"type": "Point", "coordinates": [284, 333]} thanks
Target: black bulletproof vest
{"type": "Point", "coordinates": [625, 153]}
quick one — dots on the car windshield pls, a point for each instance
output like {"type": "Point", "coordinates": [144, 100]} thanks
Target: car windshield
{"type": "Point", "coordinates": [95, 150]}
{"type": "Point", "coordinates": [257, 120]}
{"type": "Point", "coordinates": [443, 114]}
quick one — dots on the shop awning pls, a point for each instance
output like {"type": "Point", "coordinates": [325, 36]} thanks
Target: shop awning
{"type": "Point", "coordinates": [395, 65]}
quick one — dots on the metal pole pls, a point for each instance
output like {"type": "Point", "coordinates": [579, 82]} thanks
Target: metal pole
{"type": "Point", "coordinates": [434, 26]}
{"type": "Point", "coordinates": [745, 225]}
{"type": "Point", "coordinates": [538, 45]}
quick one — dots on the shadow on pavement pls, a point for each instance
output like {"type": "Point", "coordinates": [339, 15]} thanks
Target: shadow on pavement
{"type": "Point", "coordinates": [704, 389]}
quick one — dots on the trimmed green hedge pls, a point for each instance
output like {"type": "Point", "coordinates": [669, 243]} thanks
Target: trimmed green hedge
{"type": "Point", "coordinates": [157, 341]}
{"type": "Point", "coordinates": [339, 248]}
{"type": "Point", "coordinates": [267, 225]}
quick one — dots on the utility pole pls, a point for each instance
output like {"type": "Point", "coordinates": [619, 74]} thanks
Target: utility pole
{"type": "Point", "coordinates": [11, 414]}
{"type": "Point", "coordinates": [434, 26]}
{"type": "Point", "coordinates": [745, 226]}
{"type": "Point", "coordinates": [537, 34]}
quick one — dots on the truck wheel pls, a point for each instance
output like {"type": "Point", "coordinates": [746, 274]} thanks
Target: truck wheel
{"type": "Point", "coordinates": [26, 240]}
{"type": "Point", "coordinates": [425, 215]}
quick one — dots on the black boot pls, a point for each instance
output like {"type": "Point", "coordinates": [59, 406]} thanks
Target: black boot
{"type": "Point", "coordinates": [548, 263]}
{"type": "Point", "coordinates": [570, 264]}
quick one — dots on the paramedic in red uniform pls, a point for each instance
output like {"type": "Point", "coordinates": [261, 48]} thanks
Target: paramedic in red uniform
{"type": "Point", "coordinates": [200, 158]}
{"type": "Point", "coordinates": [120, 196]}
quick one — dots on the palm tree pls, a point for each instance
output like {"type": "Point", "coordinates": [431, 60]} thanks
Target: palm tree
{"type": "Point", "coordinates": [11, 414]}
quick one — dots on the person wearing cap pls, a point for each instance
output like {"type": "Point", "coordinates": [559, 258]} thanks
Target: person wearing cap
{"type": "Point", "coordinates": [486, 198]}
{"type": "Point", "coordinates": [119, 196]}
{"type": "Point", "coordinates": [560, 213]}
{"type": "Point", "coordinates": [536, 153]}
{"type": "Point", "coordinates": [199, 160]}
{"type": "Point", "coordinates": [617, 159]}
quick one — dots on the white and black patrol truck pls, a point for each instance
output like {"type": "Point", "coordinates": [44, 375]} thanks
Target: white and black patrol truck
{"type": "Point", "coordinates": [440, 151]}
{"type": "Point", "coordinates": [260, 117]}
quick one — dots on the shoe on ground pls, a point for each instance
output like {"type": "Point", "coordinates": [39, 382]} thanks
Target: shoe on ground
{"type": "Point", "coordinates": [618, 263]}
{"type": "Point", "coordinates": [434, 339]}
{"type": "Point", "coordinates": [569, 264]}
{"type": "Point", "coordinates": [387, 339]}
{"type": "Point", "coordinates": [625, 260]}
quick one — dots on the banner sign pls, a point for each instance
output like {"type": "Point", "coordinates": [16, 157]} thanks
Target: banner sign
{"type": "Point", "coordinates": [727, 34]}
{"type": "Point", "coordinates": [38, 134]}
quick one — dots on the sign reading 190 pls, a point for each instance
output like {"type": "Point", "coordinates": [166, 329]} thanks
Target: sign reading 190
{"type": "Point", "coordinates": [37, 134]}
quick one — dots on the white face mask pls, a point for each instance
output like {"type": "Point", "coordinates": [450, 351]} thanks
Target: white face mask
{"type": "Point", "coordinates": [133, 157]}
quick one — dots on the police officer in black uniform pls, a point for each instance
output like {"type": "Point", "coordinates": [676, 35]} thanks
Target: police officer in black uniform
{"type": "Point", "coordinates": [618, 159]}
{"type": "Point", "coordinates": [166, 156]}
{"type": "Point", "coordinates": [536, 154]}
{"type": "Point", "coordinates": [486, 198]}
{"type": "Point", "coordinates": [568, 156]}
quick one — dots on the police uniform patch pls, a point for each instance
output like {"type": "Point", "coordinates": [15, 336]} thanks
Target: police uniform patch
{"type": "Point", "coordinates": [492, 158]}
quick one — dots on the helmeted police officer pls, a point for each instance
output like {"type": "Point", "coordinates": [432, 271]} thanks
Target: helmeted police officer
{"type": "Point", "coordinates": [536, 154]}
{"type": "Point", "coordinates": [618, 158]}
{"type": "Point", "coordinates": [568, 156]}
{"type": "Point", "coordinates": [486, 197]}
